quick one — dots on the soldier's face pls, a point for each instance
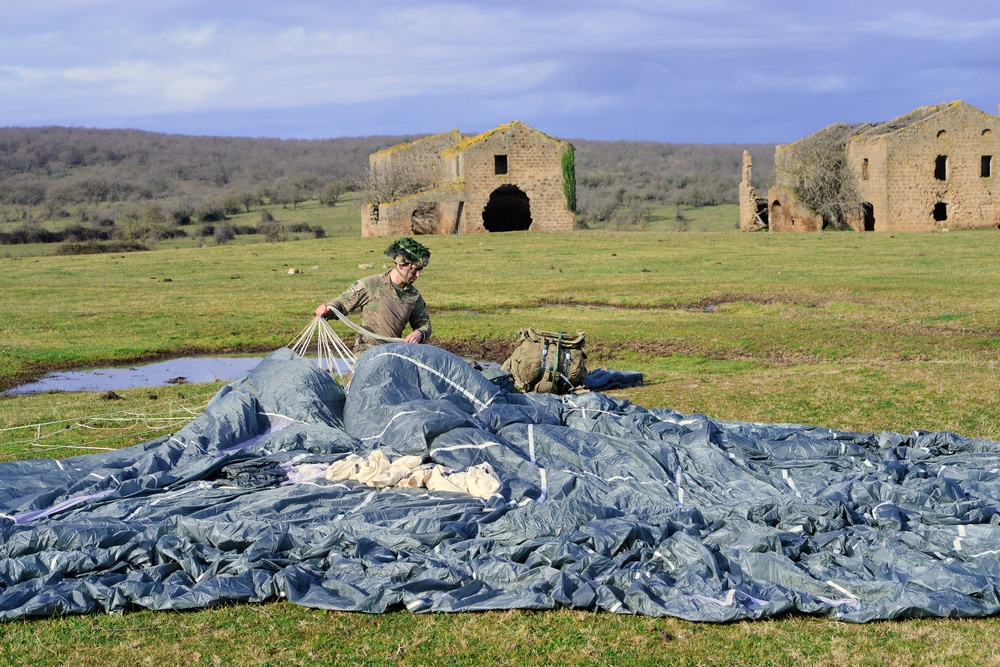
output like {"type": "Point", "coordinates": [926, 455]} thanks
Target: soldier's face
{"type": "Point", "coordinates": [409, 272]}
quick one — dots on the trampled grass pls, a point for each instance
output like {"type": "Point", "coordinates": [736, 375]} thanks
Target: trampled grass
{"type": "Point", "coordinates": [854, 331]}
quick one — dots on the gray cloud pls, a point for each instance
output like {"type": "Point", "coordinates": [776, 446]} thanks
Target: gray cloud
{"type": "Point", "coordinates": [721, 70]}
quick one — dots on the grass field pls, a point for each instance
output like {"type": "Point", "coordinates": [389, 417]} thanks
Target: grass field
{"type": "Point", "coordinates": [846, 330]}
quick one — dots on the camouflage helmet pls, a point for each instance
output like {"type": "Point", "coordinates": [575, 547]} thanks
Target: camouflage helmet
{"type": "Point", "coordinates": [408, 251]}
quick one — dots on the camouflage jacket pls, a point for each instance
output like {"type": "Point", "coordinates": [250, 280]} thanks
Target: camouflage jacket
{"type": "Point", "coordinates": [386, 309]}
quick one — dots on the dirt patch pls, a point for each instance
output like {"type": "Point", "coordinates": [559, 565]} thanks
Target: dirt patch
{"type": "Point", "coordinates": [601, 353]}
{"type": "Point", "coordinates": [491, 349]}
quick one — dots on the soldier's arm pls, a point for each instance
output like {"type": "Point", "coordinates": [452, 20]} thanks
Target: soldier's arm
{"type": "Point", "coordinates": [420, 320]}
{"type": "Point", "coordinates": [354, 297]}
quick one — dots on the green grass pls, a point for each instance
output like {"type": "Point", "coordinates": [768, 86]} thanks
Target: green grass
{"type": "Point", "coordinates": [721, 218]}
{"type": "Point", "coordinates": [854, 331]}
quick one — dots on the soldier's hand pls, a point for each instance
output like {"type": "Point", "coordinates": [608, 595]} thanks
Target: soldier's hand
{"type": "Point", "coordinates": [415, 337]}
{"type": "Point", "coordinates": [322, 310]}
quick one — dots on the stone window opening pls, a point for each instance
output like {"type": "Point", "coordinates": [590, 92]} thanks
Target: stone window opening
{"type": "Point", "coordinates": [987, 132]}
{"type": "Point", "coordinates": [864, 170]}
{"type": "Point", "coordinates": [941, 167]}
{"type": "Point", "coordinates": [942, 134]}
{"type": "Point", "coordinates": [499, 164]}
{"type": "Point", "coordinates": [940, 211]}
{"type": "Point", "coordinates": [986, 166]}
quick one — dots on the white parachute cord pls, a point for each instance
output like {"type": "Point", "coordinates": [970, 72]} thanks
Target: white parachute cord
{"type": "Point", "coordinates": [334, 351]}
{"type": "Point", "coordinates": [361, 331]}
{"type": "Point", "coordinates": [331, 351]}
{"type": "Point", "coordinates": [300, 344]}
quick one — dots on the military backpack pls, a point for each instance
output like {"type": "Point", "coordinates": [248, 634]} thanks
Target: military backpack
{"type": "Point", "coordinates": [547, 361]}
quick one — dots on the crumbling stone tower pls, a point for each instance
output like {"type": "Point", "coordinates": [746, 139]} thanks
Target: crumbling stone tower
{"type": "Point", "coordinates": [753, 209]}
{"type": "Point", "coordinates": [510, 178]}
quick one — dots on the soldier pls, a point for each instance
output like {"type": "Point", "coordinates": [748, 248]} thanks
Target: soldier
{"type": "Point", "coordinates": [388, 301]}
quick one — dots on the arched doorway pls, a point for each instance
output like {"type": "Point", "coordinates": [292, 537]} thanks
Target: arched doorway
{"type": "Point", "coordinates": [508, 210]}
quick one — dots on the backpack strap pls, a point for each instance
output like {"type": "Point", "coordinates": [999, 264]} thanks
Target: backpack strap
{"type": "Point", "coordinates": [555, 363]}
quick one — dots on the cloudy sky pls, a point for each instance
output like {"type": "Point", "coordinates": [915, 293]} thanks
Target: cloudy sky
{"type": "Point", "coordinates": [666, 70]}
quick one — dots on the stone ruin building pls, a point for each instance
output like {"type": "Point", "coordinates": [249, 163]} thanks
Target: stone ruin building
{"type": "Point", "coordinates": [931, 169]}
{"type": "Point", "coordinates": [510, 178]}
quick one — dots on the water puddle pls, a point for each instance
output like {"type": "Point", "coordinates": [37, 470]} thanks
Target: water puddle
{"type": "Point", "coordinates": [174, 371]}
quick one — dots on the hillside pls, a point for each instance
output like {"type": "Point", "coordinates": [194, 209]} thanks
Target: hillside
{"type": "Point", "coordinates": [97, 176]}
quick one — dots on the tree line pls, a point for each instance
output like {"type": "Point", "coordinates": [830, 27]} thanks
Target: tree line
{"type": "Point", "coordinates": [93, 178]}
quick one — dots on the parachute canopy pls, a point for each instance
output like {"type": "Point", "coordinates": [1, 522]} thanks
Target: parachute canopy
{"type": "Point", "coordinates": [596, 503]}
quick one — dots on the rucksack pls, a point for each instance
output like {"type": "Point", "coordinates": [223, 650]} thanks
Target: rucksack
{"type": "Point", "coordinates": [547, 361]}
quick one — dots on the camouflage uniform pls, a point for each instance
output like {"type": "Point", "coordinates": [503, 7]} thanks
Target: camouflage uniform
{"type": "Point", "coordinates": [386, 309]}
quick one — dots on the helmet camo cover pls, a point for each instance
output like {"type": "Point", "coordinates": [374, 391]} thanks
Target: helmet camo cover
{"type": "Point", "coordinates": [408, 251]}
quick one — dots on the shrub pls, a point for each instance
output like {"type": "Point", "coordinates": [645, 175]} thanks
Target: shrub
{"type": "Point", "coordinates": [274, 232]}
{"type": "Point", "coordinates": [183, 214]}
{"type": "Point", "coordinates": [569, 176]}
{"type": "Point", "coordinates": [224, 233]}
{"type": "Point", "coordinates": [211, 212]}
{"type": "Point", "coordinates": [98, 247]}
{"type": "Point", "coordinates": [30, 233]}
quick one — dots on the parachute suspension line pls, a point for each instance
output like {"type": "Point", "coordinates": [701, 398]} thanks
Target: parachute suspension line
{"type": "Point", "coordinates": [331, 351]}
{"type": "Point", "coordinates": [134, 425]}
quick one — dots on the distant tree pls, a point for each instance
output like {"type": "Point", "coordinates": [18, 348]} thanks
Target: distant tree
{"type": "Point", "coordinates": [281, 192]}
{"type": "Point", "coordinates": [264, 194]}
{"type": "Point", "coordinates": [22, 190]}
{"type": "Point", "coordinates": [131, 227]}
{"type": "Point", "coordinates": [815, 169]}
{"type": "Point", "coordinates": [249, 199]}
{"type": "Point", "coordinates": [385, 183]}
{"type": "Point", "coordinates": [232, 204]}
{"type": "Point", "coordinates": [333, 191]}
{"type": "Point", "coordinates": [631, 213]}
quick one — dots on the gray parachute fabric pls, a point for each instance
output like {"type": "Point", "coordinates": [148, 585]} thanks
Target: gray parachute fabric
{"type": "Point", "coordinates": [602, 505]}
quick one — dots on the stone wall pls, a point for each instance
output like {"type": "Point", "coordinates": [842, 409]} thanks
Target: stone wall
{"type": "Point", "coordinates": [787, 214]}
{"type": "Point", "coordinates": [873, 178]}
{"type": "Point", "coordinates": [418, 160]}
{"type": "Point", "coordinates": [411, 215]}
{"type": "Point", "coordinates": [534, 165]}
{"type": "Point", "coordinates": [902, 181]}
